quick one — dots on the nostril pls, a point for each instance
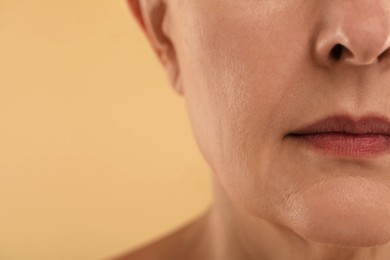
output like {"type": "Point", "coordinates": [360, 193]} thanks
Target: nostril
{"type": "Point", "coordinates": [383, 55]}
{"type": "Point", "coordinates": [337, 52]}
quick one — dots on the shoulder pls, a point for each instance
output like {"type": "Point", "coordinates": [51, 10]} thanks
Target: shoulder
{"type": "Point", "coordinates": [187, 242]}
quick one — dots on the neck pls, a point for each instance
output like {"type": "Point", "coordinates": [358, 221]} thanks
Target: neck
{"type": "Point", "coordinates": [235, 234]}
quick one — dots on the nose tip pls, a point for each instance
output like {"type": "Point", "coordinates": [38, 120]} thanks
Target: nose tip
{"type": "Point", "coordinates": [359, 34]}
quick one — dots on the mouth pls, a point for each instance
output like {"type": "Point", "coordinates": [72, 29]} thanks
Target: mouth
{"type": "Point", "coordinates": [341, 135]}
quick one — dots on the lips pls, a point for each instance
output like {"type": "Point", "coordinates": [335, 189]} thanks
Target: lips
{"type": "Point", "coordinates": [347, 125]}
{"type": "Point", "coordinates": [344, 135]}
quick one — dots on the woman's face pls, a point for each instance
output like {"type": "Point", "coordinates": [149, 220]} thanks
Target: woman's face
{"type": "Point", "coordinates": [255, 71]}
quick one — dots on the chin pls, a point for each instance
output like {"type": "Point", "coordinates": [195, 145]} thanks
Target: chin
{"type": "Point", "coordinates": [348, 212]}
{"type": "Point", "coordinates": [345, 232]}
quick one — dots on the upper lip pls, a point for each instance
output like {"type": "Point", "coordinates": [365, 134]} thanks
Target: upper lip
{"type": "Point", "coordinates": [379, 125]}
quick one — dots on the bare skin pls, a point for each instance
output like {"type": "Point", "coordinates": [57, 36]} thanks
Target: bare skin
{"type": "Point", "coordinates": [251, 73]}
{"type": "Point", "coordinates": [214, 236]}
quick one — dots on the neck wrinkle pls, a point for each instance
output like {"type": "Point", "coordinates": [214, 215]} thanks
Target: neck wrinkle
{"type": "Point", "coordinates": [228, 242]}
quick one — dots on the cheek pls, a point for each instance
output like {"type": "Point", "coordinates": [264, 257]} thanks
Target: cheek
{"type": "Point", "coordinates": [234, 94]}
{"type": "Point", "coordinates": [231, 73]}
{"type": "Point", "coordinates": [239, 82]}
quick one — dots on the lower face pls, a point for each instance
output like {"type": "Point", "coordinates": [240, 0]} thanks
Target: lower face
{"type": "Point", "coordinates": [250, 78]}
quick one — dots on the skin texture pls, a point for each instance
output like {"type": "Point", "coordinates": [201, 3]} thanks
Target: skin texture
{"type": "Point", "coordinates": [251, 72]}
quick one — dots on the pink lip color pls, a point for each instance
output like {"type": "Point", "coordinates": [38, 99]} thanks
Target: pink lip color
{"type": "Point", "coordinates": [354, 145]}
{"type": "Point", "coordinates": [347, 136]}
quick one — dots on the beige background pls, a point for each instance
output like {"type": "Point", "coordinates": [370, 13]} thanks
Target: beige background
{"type": "Point", "coordinates": [96, 152]}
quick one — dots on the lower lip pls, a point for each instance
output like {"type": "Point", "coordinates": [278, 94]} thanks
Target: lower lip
{"type": "Point", "coordinates": [351, 145]}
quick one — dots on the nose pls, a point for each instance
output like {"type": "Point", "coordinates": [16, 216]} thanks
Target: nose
{"type": "Point", "coordinates": [355, 32]}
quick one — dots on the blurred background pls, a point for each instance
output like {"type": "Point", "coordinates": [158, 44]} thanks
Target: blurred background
{"type": "Point", "coordinates": [97, 156]}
